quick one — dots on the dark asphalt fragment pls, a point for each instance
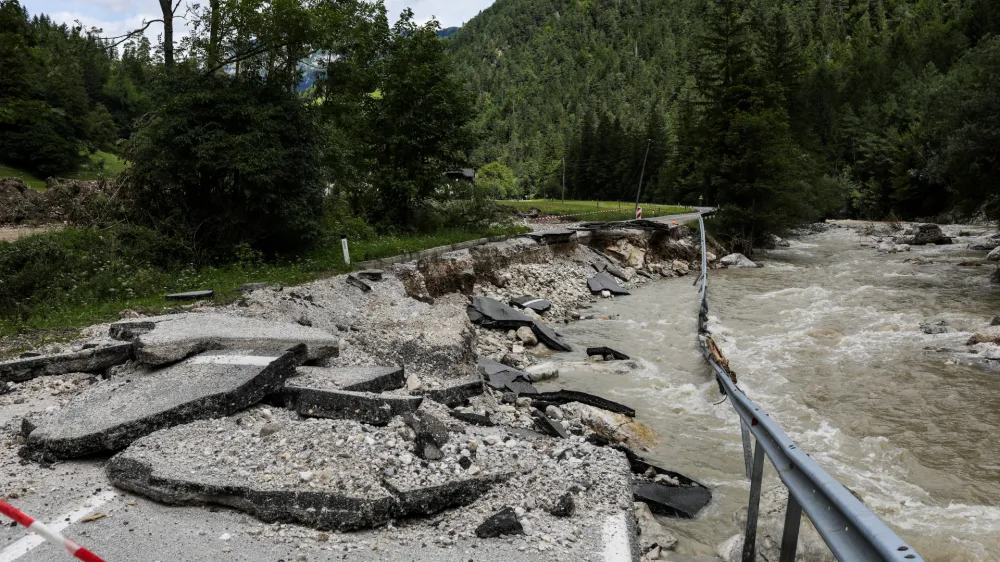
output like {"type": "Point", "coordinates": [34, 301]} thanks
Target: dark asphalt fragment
{"type": "Point", "coordinates": [561, 397]}
{"type": "Point", "coordinates": [605, 352]}
{"type": "Point", "coordinates": [491, 313]}
{"type": "Point", "coordinates": [503, 522]}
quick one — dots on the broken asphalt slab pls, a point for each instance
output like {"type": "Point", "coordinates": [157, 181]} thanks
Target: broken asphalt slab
{"type": "Point", "coordinates": [491, 313]}
{"type": "Point", "coordinates": [166, 339]}
{"type": "Point", "coordinates": [354, 379]}
{"type": "Point", "coordinates": [672, 501]}
{"type": "Point", "coordinates": [549, 337]}
{"type": "Point", "coordinates": [368, 407]}
{"type": "Point", "coordinates": [503, 522]}
{"type": "Point", "coordinates": [552, 236]}
{"type": "Point", "coordinates": [110, 415]}
{"type": "Point", "coordinates": [352, 280]}
{"type": "Point", "coordinates": [502, 377]}
{"type": "Point", "coordinates": [455, 393]}
{"type": "Point", "coordinates": [561, 397]}
{"type": "Point", "coordinates": [371, 274]}
{"type": "Point", "coordinates": [604, 282]}
{"type": "Point", "coordinates": [606, 352]}
{"type": "Point", "coordinates": [86, 361]}
{"type": "Point", "coordinates": [534, 303]}
{"type": "Point", "coordinates": [341, 477]}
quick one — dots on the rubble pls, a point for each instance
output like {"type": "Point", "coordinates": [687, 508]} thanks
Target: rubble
{"type": "Point", "coordinates": [652, 535]}
{"type": "Point", "coordinates": [456, 393]}
{"type": "Point", "coordinates": [355, 282]}
{"type": "Point", "coordinates": [166, 339]}
{"type": "Point", "coordinates": [88, 360]}
{"type": "Point", "coordinates": [371, 274]}
{"type": "Point", "coordinates": [112, 414]}
{"type": "Point", "coordinates": [356, 379]}
{"type": "Point", "coordinates": [607, 354]}
{"type": "Point", "coordinates": [503, 522]}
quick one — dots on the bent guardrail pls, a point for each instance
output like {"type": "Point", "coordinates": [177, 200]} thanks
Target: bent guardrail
{"type": "Point", "coordinates": [850, 529]}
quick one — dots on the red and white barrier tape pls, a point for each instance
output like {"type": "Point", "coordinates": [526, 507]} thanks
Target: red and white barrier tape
{"type": "Point", "coordinates": [48, 533]}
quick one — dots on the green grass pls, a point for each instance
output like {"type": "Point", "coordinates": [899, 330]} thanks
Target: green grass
{"type": "Point", "coordinates": [32, 181]}
{"type": "Point", "coordinates": [99, 165]}
{"type": "Point", "coordinates": [111, 286]}
{"type": "Point", "coordinates": [586, 210]}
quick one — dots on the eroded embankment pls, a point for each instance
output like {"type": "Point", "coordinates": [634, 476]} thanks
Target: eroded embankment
{"type": "Point", "coordinates": [196, 413]}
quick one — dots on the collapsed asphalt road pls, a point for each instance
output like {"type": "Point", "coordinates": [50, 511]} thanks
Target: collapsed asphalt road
{"type": "Point", "coordinates": [216, 410]}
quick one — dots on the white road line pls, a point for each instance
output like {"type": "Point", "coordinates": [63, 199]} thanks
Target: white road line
{"type": "Point", "coordinates": [617, 544]}
{"type": "Point", "coordinates": [26, 544]}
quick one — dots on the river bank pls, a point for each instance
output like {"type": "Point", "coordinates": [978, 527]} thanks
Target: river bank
{"type": "Point", "coordinates": [413, 315]}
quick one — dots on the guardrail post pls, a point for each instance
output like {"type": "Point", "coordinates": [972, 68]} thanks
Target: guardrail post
{"type": "Point", "coordinates": [790, 538]}
{"type": "Point", "coordinates": [750, 538]}
{"type": "Point", "coordinates": [747, 455]}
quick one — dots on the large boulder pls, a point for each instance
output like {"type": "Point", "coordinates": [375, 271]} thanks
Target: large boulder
{"type": "Point", "coordinates": [922, 234]}
{"type": "Point", "coordinates": [737, 260]}
{"type": "Point", "coordinates": [994, 254]}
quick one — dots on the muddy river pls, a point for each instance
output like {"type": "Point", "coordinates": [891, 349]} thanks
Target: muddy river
{"type": "Point", "coordinates": [827, 339]}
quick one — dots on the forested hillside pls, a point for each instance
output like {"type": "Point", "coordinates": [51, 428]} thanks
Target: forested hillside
{"type": "Point", "coordinates": [855, 107]}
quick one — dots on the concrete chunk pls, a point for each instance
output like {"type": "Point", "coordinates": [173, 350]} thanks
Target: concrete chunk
{"type": "Point", "coordinates": [366, 407]}
{"type": "Point", "coordinates": [111, 415]}
{"type": "Point", "coordinates": [167, 339]}
{"type": "Point", "coordinates": [354, 379]}
{"type": "Point", "coordinates": [456, 393]}
{"type": "Point", "coordinates": [191, 295]}
{"type": "Point", "coordinates": [86, 361]}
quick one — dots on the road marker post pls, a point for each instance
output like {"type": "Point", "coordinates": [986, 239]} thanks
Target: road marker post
{"type": "Point", "coordinates": [48, 533]}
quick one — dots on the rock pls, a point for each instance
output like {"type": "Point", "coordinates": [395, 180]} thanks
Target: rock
{"type": "Point", "coordinates": [85, 361]}
{"type": "Point", "coordinates": [651, 534]}
{"type": "Point", "coordinates": [604, 282]}
{"type": "Point", "coordinates": [554, 412]}
{"type": "Point", "coordinates": [737, 260]}
{"type": "Point", "coordinates": [680, 267]}
{"type": "Point", "coordinates": [614, 270]}
{"type": "Point", "coordinates": [413, 383]}
{"type": "Point", "coordinates": [431, 434]}
{"type": "Point", "coordinates": [989, 335]}
{"type": "Point", "coordinates": [564, 507]}
{"type": "Point", "coordinates": [522, 402]}
{"type": "Point", "coordinates": [111, 415]}
{"type": "Point", "coordinates": [355, 282]}
{"type": "Point", "coordinates": [561, 397]}
{"type": "Point", "coordinates": [549, 337]}
{"type": "Point", "coordinates": [605, 294]}
{"type": "Point", "coordinates": [995, 321]}
{"type": "Point", "coordinates": [251, 287]}
{"type": "Point", "coordinates": [167, 339]}
{"type": "Point", "coordinates": [985, 243]}
{"type": "Point", "coordinates": [271, 428]}
{"type": "Point", "coordinates": [542, 371]}
{"type": "Point", "coordinates": [503, 522]}
{"type": "Point", "coordinates": [457, 392]}
{"type": "Point", "coordinates": [191, 295]}
{"type": "Point", "coordinates": [532, 303]}
{"type": "Point", "coordinates": [354, 379]}
{"type": "Point", "coordinates": [935, 328]}
{"type": "Point", "coordinates": [491, 313]}
{"type": "Point", "coordinates": [607, 353]}
{"type": "Point", "coordinates": [371, 274]}
{"type": "Point", "coordinates": [922, 234]}
{"type": "Point", "coordinates": [316, 397]}
{"type": "Point", "coordinates": [611, 427]}
{"type": "Point", "coordinates": [770, 529]}
{"type": "Point", "coordinates": [344, 492]}
{"type": "Point", "coordinates": [525, 334]}
{"type": "Point", "coordinates": [502, 377]}
{"type": "Point", "coordinates": [994, 254]}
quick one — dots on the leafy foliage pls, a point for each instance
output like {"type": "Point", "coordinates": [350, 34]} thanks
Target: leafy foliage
{"type": "Point", "coordinates": [496, 181]}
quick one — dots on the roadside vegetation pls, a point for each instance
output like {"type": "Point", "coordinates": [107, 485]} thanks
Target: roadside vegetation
{"type": "Point", "coordinates": [594, 210]}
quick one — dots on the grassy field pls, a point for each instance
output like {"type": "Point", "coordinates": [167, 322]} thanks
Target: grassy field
{"type": "Point", "coordinates": [98, 165]}
{"type": "Point", "coordinates": [587, 210]}
{"type": "Point", "coordinates": [115, 286]}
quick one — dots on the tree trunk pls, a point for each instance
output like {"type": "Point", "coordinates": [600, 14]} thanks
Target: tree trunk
{"type": "Point", "coordinates": [213, 33]}
{"type": "Point", "coordinates": [167, 8]}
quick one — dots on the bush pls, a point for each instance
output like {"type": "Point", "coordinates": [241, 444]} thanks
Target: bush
{"type": "Point", "coordinates": [227, 162]}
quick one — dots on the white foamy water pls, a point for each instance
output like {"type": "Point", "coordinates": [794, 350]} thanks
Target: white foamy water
{"type": "Point", "coordinates": [827, 339]}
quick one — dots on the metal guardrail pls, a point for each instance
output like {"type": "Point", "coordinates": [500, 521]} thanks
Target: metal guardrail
{"type": "Point", "coordinates": [850, 529]}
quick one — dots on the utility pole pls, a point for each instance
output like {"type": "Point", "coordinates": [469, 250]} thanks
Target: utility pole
{"type": "Point", "coordinates": [641, 174]}
{"type": "Point", "coordinates": [564, 181]}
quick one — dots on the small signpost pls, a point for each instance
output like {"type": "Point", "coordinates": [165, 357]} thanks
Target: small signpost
{"type": "Point", "coordinates": [638, 213]}
{"type": "Point", "coordinates": [343, 244]}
